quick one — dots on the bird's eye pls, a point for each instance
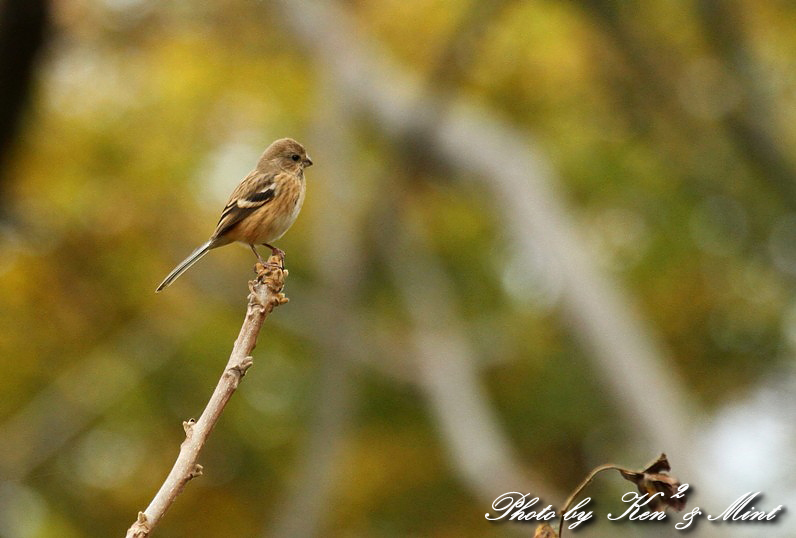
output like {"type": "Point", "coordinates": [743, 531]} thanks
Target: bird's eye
{"type": "Point", "coordinates": [295, 157]}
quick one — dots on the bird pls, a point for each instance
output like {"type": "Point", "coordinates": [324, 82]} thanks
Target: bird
{"type": "Point", "coordinates": [261, 208]}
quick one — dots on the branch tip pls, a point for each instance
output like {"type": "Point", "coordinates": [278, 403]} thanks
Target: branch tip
{"type": "Point", "coordinates": [266, 288]}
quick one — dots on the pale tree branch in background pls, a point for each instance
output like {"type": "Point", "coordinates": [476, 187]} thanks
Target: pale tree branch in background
{"type": "Point", "coordinates": [447, 376]}
{"type": "Point", "coordinates": [467, 139]}
{"type": "Point", "coordinates": [446, 364]}
{"type": "Point", "coordinates": [335, 224]}
{"type": "Point", "coordinates": [266, 294]}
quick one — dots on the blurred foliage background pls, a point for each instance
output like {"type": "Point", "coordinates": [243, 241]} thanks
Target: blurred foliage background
{"type": "Point", "coordinates": [451, 335]}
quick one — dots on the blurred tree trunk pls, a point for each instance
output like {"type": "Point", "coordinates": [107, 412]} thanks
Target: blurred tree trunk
{"type": "Point", "coordinates": [24, 27]}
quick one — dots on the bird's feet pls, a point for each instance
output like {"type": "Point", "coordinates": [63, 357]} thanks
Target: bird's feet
{"type": "Point", "coordinates": [259, 258]}
{"type": "Point", "coordinates": [279, 253]}
{"type": "Point", "coordinates": [276, 261]}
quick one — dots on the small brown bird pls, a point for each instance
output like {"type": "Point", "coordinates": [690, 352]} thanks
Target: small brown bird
{"type": "Point", "coordinates": [262, 207]}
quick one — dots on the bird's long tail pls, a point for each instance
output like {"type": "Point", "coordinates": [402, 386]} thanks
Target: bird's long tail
{"type": "Point", "coordinates": [185, 264]}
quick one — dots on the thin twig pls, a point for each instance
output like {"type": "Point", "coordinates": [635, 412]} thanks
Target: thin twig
{"type": "Point", "coordinates": [586, 481]}
{"type": "Point", "coordinates": [266, 294]}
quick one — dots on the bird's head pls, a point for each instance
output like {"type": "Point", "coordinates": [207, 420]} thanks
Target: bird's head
{"type": "Point", "coordinates": [287, 154]}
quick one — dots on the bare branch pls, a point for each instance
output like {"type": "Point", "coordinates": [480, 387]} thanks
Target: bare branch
{"type": "Point", "coordinates": [266, 294]}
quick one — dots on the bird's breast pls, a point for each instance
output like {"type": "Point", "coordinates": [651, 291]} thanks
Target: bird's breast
{"type": "Point", "coordinates": [271, 221]}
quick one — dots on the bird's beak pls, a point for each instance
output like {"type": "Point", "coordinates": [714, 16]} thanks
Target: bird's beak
{"type": "Point", "coordinates": [308, 161]}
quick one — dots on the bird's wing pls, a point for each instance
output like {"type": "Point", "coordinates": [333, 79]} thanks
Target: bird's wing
{"type": "Point", "coordinates": [256, 190]}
